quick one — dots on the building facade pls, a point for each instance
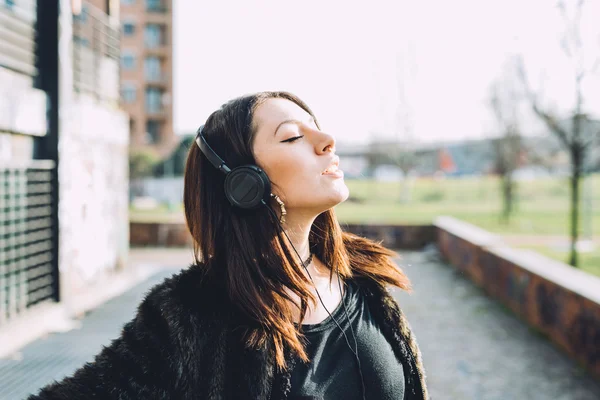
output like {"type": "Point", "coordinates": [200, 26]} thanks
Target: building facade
{"type": "Point", "coordinates": [146, 72]}
{"type": "Point", "coordinates": [64, 144]}
{"type": "Point", "coordinates": [28, 164]}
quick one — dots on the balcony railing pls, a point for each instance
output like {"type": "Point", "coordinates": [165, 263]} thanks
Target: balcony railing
{"type": "Point", "coordinates": [17, 36]}
{"type": "Point", "coordinates": [156, 79]}
{"type": "Point", "coordinates": [156, 113]}
{"type": "Point", "coordinates": [96, 53]}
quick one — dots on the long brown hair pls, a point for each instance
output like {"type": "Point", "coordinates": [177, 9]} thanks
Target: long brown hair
{"type": "Point", "coordinates": [248, 251]}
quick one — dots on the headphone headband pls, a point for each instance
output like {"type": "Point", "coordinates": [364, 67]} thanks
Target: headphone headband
{"type": "Point", "coordinates": [212, 156]}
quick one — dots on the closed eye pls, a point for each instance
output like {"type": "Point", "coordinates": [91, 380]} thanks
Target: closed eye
{"type": "Point", "coordinates": [292, 139]}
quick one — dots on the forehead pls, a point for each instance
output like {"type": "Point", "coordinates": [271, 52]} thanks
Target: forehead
{"type": "Point", "coordinates": [273, 111]}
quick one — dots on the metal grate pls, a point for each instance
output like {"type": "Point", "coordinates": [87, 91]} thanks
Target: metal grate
{"type": "Point", "coordinates": [27, 262]}
{"type": "Point", "coordinates": [96, 52]}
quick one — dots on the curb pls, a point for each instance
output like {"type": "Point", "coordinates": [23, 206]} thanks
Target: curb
{"type": "Point", "coordinates": [49, 318]}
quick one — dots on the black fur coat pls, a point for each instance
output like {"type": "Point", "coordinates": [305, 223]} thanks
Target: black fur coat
{"type": "Point", "coordinates": [185, 342]}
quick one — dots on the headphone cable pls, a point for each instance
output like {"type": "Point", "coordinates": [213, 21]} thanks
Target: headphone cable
{"type": "Point", "coordinates": [362, 380]}
{"type": "Point", "coordinates": [353, 351]}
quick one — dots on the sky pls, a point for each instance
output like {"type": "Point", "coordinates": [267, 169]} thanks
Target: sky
{"type": "Point", "coordinates": [418, 71]}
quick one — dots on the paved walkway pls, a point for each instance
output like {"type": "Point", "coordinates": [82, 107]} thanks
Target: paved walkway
{"type": "Point", "coordinates": [472, 348]}
{"type": "Point", "coordinates": [59, 355]}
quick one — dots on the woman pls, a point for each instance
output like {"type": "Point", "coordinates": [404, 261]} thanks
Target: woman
{"type": "Point", "coordinates": [263, 313]}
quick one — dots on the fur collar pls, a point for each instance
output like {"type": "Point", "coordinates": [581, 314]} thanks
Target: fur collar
{"type": "Point", "coordinates": [256, 374]}
{"type": "Point", "coordinates": [185, 342]}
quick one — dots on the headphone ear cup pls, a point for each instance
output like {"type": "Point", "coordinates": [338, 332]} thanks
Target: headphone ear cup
{"type": "Point", "coordinates": [247, 186]}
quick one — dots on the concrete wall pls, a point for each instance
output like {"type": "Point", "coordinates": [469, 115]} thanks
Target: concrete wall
{"type": "Point", "coordinates": [393, 236]}
{"type": "Point", "coordinates": [93, 207]}
{"type": "Point", "coordinates": [145, 234]}
{"type": "Point", "coordinates": [396, 236]}
{"type": "Point", "coordinates": [559, 301]}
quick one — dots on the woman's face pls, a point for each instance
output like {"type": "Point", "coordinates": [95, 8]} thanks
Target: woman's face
{"type": "Point", "coordinates": [299, 159]}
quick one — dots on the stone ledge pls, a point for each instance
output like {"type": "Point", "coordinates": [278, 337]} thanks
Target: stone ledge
{"type": "Point", "coordinates": [156, 234]}
{"type": "Point", "coordinates": [51, 317]}
{"type": "Point", "coordinates": [472, 233]}
{"type": "Point", "coordinates": [559, 301]}
{"type": "Point", "coordinates": [575, 280]}
{"type": "Point", "coordinates": [31, 325]}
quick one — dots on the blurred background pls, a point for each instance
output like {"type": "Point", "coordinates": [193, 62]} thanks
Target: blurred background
{"type": "Point", "coordinates": [486, 112]}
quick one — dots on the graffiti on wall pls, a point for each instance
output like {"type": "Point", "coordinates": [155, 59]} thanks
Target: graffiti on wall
{"type": "Point", "coordinates": [548, 304]}
{"type": "Point", "coordinates": [516, 287]}
{"type": "Point", "coordinates": [94, 185]}
{"type": "Point", "coordinates": [584, 336]}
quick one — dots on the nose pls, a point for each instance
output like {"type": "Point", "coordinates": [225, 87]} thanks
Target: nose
{"type": "Point", "coordinates": [325, 144]}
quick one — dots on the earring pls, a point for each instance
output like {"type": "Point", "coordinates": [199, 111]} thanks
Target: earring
{"type": "Point", "coordinates": [281, 206]}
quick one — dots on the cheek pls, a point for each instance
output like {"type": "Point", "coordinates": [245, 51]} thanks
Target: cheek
{"type": "Point", "coordinates": [290, 177]}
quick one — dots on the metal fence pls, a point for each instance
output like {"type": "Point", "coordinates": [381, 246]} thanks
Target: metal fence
{"type": "Point", "coordinates": [96, 52]}
{"type": "Point", "coordinates": [28, 267]}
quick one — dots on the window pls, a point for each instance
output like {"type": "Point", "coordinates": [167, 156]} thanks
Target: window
{"type": "Point", "coordinates": [128, 61]}
{"type": "Point", "coordinates": [153, 35]}
{"type": "Point", "coordinates": [128, 28]}
{"type": "Point", "coordinates": [81, 41]}
{"type": "Point", "coordinates": [155, 5]}
{"type": "Point", "coordinates": [152, 69]}
{"type": "Point", "coordinates": [153, 100]}
{"type": "Point", "coordinates": [128, 93]}
{"type": "Point", "coordinates": [82, 16]}
{"type": "Point", "coordinates": [127, 2]}
{"type": "Point", "coordinates": [152, 131]}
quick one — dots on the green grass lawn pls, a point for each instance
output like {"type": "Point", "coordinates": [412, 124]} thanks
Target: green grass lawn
{"type": "Point", "coordinates": [541, 207]}
{"type": "Point", "coordinates": [162, 214]}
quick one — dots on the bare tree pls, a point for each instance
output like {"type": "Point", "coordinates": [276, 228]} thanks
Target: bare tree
{"type": "Point", "coordinates": [396, 77]}
{"type": "Point", "coordinates": [504, 101]}
{"type": "Point", "coordinates": [573, 131]}
{"type": "Point", "coordinates": [401, 153]}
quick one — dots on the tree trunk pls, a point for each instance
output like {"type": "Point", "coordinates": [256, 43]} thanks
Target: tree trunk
{"type": "Point", "coordinates": [405, 189]}
{"type": "Point", "coordinates": [507, 195]}
{"type": "Point", "coordinates": [575, 179]}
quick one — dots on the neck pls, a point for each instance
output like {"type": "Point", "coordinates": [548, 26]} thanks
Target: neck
{"type": "Point", "coordinates": [298, 229]}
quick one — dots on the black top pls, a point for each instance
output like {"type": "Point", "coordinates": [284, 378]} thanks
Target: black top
{"type": "Point", "coordinates": [332, 372]}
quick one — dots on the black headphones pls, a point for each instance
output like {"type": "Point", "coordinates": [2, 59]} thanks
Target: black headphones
{"type": "Point", "coordinates": [246, 186]}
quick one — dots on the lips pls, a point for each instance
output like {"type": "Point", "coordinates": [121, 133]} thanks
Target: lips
{"type": "Point", "coordinates": [333, 167]}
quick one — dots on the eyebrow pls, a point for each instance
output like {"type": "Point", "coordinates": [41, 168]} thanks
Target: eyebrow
{"type": "Point", "coordinates": [293, 121]}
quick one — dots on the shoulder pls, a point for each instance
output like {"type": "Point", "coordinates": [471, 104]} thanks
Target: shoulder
{"type": "Point", "coordinates": [186, 296]}
{"type": "Point", "coordinates": [380, 299]}
{"type": "Point", "coordinates": [370, 287]}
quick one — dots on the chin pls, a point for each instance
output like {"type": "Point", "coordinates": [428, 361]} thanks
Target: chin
{"type": "Point", "coordinates": [338, 196]}
{"type": "Point", "coordinates": [320, 199]}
